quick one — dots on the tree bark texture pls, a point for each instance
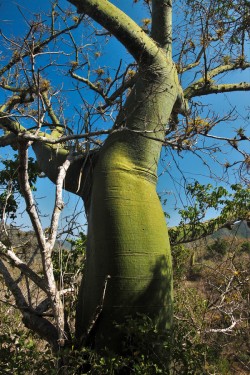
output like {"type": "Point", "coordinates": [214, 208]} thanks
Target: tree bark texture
{"type": "Point", "coordinates": [127, 236]}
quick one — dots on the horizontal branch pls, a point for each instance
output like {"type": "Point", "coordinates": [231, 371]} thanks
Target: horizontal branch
{"type": "Point", "coordinates": [8, 124]}
{"type": "Point", "coordinates": [9, 139]}
{"type": "Point", "coordinates": [52, 141]}
{"type": "Point", "coordinates": [202, 89]}
{"type": "Point", "coordinates": [227, 68]}
{"type": "Point", "coordinates": [192, 232]}
{"type": "Point", "coordinates": [207, 86]}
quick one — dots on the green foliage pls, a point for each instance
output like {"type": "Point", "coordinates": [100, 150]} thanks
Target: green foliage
{"type": "Point", "coordinates": [219, 248]}
{"type": "Point", "coordinates": [20, 352]}
{"type": "Point", "coordinates": [245, 247]}
{"type": "Point", "coordinates": [8, 204]}
{"type": "Point", "coordinates": [233, 205]}
{"type": "Point", "coordinates": [68, 262]}
{"type": "Point", "coordinates": [180, 255]}
{"type": "Point", "coordinates": [146, 352]}
{"type": "Point", "coordinates": [10, 185]}
{"type": "Point", "coordinates": [239, 202]}
{"type": "Point", "coordinates": [10, 172]}
{"type": "Point", "coordinates": [68, 265]}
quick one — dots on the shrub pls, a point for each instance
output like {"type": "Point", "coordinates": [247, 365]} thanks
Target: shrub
{"type": "Point", "coordinates": [245, 247]}
{"type": "Point", "coordinates": [219, 248]}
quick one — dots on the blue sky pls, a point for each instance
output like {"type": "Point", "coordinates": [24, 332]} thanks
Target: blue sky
{"type": "Point", "coordinates": [12, 21]}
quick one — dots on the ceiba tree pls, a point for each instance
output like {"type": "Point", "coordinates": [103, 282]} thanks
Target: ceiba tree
{"type": "Point", "coordinates": [128, 263]}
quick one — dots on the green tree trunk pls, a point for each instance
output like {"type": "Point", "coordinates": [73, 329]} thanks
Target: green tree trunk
{"type": "Point", "coordinates": [127, 236]}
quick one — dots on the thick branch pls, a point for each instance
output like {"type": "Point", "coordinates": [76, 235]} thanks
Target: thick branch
{"type": "Point", "coordinates": [58, 130]}
{"type": "Point", "coordinates": [227, 68]}
{"type": "Point", "coordinates": [51, 157]}
{"type": "Point", "coordinates": [9, 139]}
{"type": "Point", "coordinates": [7, 124]}
{"type": "Point", "coordinates": [207, 89]}
{"type": "Point", "coordinates": [43, 328]}
{"type": "Point", "coordinates": [26, 191]}
{"type": "Point", "coordinates": [78, 177]}
{"type": "Point", "coordinates": [45, 138]}
{"type": "Point", "coordinates": [137, 42]}
{"type": "Point", "coordinates": [207, 86]}
{"type": "Point", "coordinates": [162, 24]}
{"type": "Point", "coordinates": [13, 287]}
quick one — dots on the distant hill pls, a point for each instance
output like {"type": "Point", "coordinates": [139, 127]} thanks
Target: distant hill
{"type": "Point", "coordinates": [240, 230]}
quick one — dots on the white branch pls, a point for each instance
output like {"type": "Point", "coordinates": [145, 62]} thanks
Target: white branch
{"type": "Point", "coordinates": [59, 204]}
{"type": "Point", "coordinates": [45, 247]}
{"type": "Point", "coordinates": [223, 330]}
{"type": "Point", "coordinates": [13, 287]}
{"type": "Point", "coordinates": [24, 268]}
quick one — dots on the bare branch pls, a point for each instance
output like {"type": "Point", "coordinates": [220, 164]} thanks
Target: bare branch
{"type": "Point", "coordinates": [228, 67]}
{"type": "Point", "coordinates": [138, 43]}
{"type": "Point", "coordinates": [38, 46]}
{"type": "Point", "coordinates": [45, 247]}
{"type": "Point", "coordinates": [36, 323]}
{"type": "Point", "coordinates": [207, 86]}
{"type": "Point", "coordinates": [91, 85]}
{"type": "Point", "coordinates": [118, 92]}
{"type": "Point", "coordinates": [207, 89]}
{"type": "Point", "coordinates": [23, 267]}
{"type": "Point", "coordinates": [58, 201]}
{"type": "Point", "coordinates": [26, 190]}
{"type": "Point", "coordinates": [59, 129]}
{"type": "Point", "coordinates": [224, 330]}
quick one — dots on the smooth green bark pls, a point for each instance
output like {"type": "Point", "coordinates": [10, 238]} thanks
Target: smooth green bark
{"type": "Point", "coordinates": [128, 239]}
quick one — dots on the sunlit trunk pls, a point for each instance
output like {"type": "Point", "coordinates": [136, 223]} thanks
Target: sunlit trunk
{"type": "Point", "coordinates": [127, 238]}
